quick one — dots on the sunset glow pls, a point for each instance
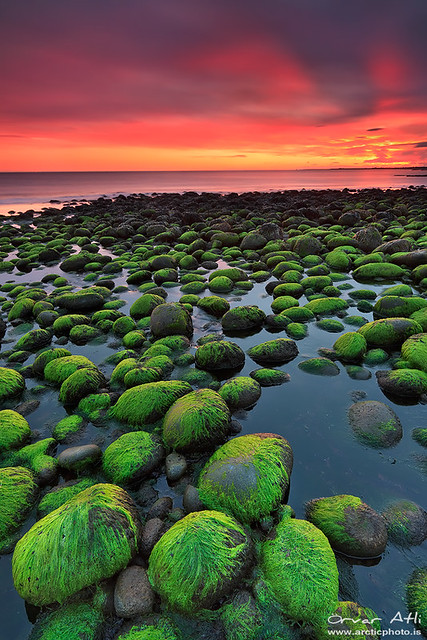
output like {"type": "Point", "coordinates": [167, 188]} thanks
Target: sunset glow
{"type": "Point", "coordinates": [201, 85]}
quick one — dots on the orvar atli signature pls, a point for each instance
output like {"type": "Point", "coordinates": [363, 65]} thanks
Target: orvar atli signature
{"type": "Point", "coordinates": [411, 617]}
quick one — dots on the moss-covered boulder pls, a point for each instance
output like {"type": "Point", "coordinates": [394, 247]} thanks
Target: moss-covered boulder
{"type": "Point", "coordinates": [300, 568]}
{"type": "Point", "coordinates": [319, 367]}
{"type": "Point", "coordinates": [248, 476]}
{"type": "Point", "coordinates": [219, 354]}
{"type": "Point", "coordinates": [80, 384]}
{"type": "Point", "coordinates": [147, 403]}
{"type": "Point", "coordinates": [398, 306]}
{"type": "Point", "coordinates": [68, 426]}
{"type": "Point", "coordinates": [154, 628]}
{"type": "Point", "coordinates": [375, 424]}
{"type": "Point", "coordinates": [420, 436]}
{"type": "Point", "coordinates": [221, 284]}
{"type": "Point", "coordinates": [171, 319]}
{"type": "Point", "coordinates": [274, 352]}
{"type": "Point", "coordinates": [414, 351]}
{"type": "Point", "coordinates": [184, 571]}
{"type": "Point", "coordinates": [12, 384]}
{"type": "Point", "coordinates": [406, 523]}
{"type": "Point", "coordinates": [240, 392]}
{"type": "Point", "coordinates": [196, 421]}
{"type": "Point", "coordinates": [326, 306]}
{"type": "Point", "coordinates": [74, 621]}
{"type": "Point", "coordinates": [14, 430]}
{"type": "Point", "coordinates": [282, 303]}
{"type": "Point", "coordinates": [34, 340]}
{"type": "Point", "coordinates": [389, 332]}
{"type": "Point", "coordinates": [409, 383]}
{"type": "Point", "coordinates": [242, 617]}
{"type": "Point", "coordinates": [416, 598]}
{"type": "Point", "coordinates": [132, 457]}
{"type": "Point", "coordinates": [351, 526]}
{"type": "Point", "coordinates": [44, 574]}
{"type": "Point", "coordinates": [59, 495]}
{"type": "Point", "coordinates": [45, 357]}
{"type": "Point", "coordinates": [63, 325]}
{"type": "Point", "coordinates": [18, 493]}
{"type": "Point", "coordinates": [350, 619]}
{"type": "Point", "coordinates": [144, 306]}
{"type": "Point", "coordinates": [243, 318]}
{"type": "Point", "coordinates": [378, 271]}
{"type": "Point", "coordinates": [214, 305]}
{"type": "Point", "coordinates": [59, 369]}
{"type": "Point", "coordinates": [269, 377]}
{"type": "Point", "coordinates": [350, 347]}
{"type": "Point", "coordinates": [80, 301]}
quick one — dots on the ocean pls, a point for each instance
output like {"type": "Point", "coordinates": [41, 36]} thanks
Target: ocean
{"type": "Point", "coordinates": [23, 191]}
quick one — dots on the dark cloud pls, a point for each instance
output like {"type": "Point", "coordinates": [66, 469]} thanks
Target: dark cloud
{"type": "Point", "coordinates": [420, 145]}
{"type": "Point", "coordinates": [299, 61]}
{"type": "Point", "coordinates": [376, 129]}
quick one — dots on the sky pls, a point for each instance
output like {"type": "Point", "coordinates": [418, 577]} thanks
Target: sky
{"type": "Point", "coordinates": [212, 84]}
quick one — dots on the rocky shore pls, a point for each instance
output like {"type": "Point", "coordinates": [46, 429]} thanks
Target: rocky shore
{"type": "Point", "coordinates": [124, 369]}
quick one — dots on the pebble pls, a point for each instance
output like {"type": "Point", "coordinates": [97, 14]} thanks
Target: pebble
{"type": "Point", "coordinates": [133, 594]}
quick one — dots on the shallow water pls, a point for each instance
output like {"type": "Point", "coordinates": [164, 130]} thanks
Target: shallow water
{"type": "Point", "coordinates": [310, 411]}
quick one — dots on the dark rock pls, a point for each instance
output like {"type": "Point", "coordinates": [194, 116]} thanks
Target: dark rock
{"type": "Point", "coordinates": [133, 594]}
{"type": "Point", "coordinates": [151, 533]}
{"type": "Point", "coordinates": [176, 467]}
{"type": "Point", "coordinates": [160, 508]}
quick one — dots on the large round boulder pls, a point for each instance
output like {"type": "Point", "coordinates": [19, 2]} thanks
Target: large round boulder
{"type": "Point", "coordinates": [14, 430]}
{"type": "Point", "coordinates": [171, 319]}
{"type": "Point", "coordinates": [414, 351]}
{"type": "Point", "coordinates": [248, 476]}
{"type": "Point", "coordinates": [12, 384]}
{"type": "Point", "coordinates": [408, 383]}
{"type": "Point", "coordinates": [131, 457]}
{"type": "Point", "coordinates": [406, 523]}
{"type": "Point", "coordinates": [243, 318]}
{"type": "Point", "coordinates": [389, 332]}
{"type": "Point", "coordinates": [219, 354]}
{"type": "Point", "coordinates": [241, 392]}
{"type": "Point", "coordinates": [274, 352]}
{"type": "Point", "coordinates": [18, 492]}
{"type": "Point", "coordinates": [375, 424]}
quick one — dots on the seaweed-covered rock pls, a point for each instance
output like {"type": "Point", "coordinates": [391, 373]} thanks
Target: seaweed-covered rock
{"type": "Point", "coordinates": [269, 377]}
{"type": "Point", "coordinates": [326, 306]}
{"type": "Point", "coordinates": [274, 352]}
{"type": "Point", "coordinates": [144, 306]}
{"type": "Point", "coordinates": [80, 301]}
{"type": "Point", "coordinates": [190, 586]}
{"type": "Point", "coordinates": [378, 271]}
{"type": "Point", "coordinates": [319, 367]}
{"type": "Point", "coordinates": [38, 457]}
{"type": "Point", "coordinates": [243, 318]}
{"type": "Point", "coordinates": [132, 457]}
{"type": "Point", "coordinates": [80, 458]}
{"type": "Point", "coordinates": [147, 403]}
{"type": "Point", "coordinates": [214, 305]}
{"type": "Point", "coordinates": [248, 476]}
{"type": "Point", "coordinates": [282, 303]}
{"type": "Point", "coordinates": [416, 597]}
{"type": "Point", "coordinates": [414, 351]}
{"type": "Point", "coordinates": [45, 357]}
{"type": "Point", "coordinates": [389, 332]}
{"type": "Point", "coordinates": [59, 495]}
{"type": "Point", "coordinates": [398, 306]}
{"type": "Point", "coordinates": [409, 383]}
{"type": "Point", "coordinates": [350, 347]}
{"type": "Point", "coordinates": [420, 435]}
{"type": "Point", "coordinates": [196, 421]}
{"type": "Point", "coordinates": [242, 618]}
{"type": "Point", "coordinates": [219, 354]}
{"type": "Point", "coordinates": [73, 621]}
{"type": "Point", "coordinates": [240, 393]}
{"type": "Point", "coordinates": [59, 369]}
{"type": "Point", "coordinates": [34, 340]}
{"type": "Point", "coordinates": [406, 523]}
{"type": "Point", "coordinates": [375, 424]}
{"type": "Point", "coordinates": [152, 629]}
{"type": "Point", "coordinates": [63, 325]}
{"type": "Point", "coordinates": [300, 568]}
{"type": "Point", "coordinates": [12, 384]}
{"type": "Point", "coordinates": [14, 430]}
{"type": "Point", "coordinates": [351, 526]}
{"type": "Point", "coordinates": [18, 493]}
{"type": "Point", "coordinates": [171, 319]}
{"type": "Point", "coordinates": [43, 574]}
{"type": "Point", "coordinates": [79, 384]}
{"type": "Point", "coordinates": [368, 238]}
{"type": "Point", "coordinates": [221, 284]}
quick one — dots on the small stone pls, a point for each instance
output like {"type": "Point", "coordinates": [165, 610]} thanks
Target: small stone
{"type": "Point", "coordinates": [160, 508]}
{"type": "Point", "coordinates": [28, 407]}
{"type": "Point", "coordinates": [79, 458]}
{"type": "Point", "coordinates": [151, 533]}
{"type": "Point", "coordinates": [191, 500]}
{"type": "Point", "coordinates": [133, 594]}
{"type": "Point", "coordinates": [176, 467]}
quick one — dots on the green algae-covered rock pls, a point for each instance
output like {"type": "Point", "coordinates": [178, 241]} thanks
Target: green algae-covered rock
{"type": "Point", "coordinates": [94, 406]}
{"type": "Point", "coordinates": [144, 306]}
{"type": "Point", "coordinates": [300, 568]}
{"type": "Point", "coordinates": [389, 332]}
{"type": "Point", "coordinates": [12, 384]}
{"type": "Point", "coordinates": [398, 306]}
{"type": "Point", "coordinates": [350, 347]}
{"type": "Point", "coordinates": [378, 271]}
{"type": "Point", "coordinates": [38, 457]}
{"type": "Point", "coordinates": [269, 377]}
{"type": "Point", "coordinates": [240, 393]}
{"type": "Point", "coordinates": [34, 340]}
{"type": "Point", "coordinates": [84, 333]}
{"type": "Point", "coordinates": [184, 571]}
{"type": "Point", "coordinates": [375, 356]}
{"type": "Point", "coordinates": [123, 325]}
{"type": "Point", "coordinates": [330, 325]}
{"type": "Point", "coordinates": [74, 621]}
{"type": "Point", "coordinates": [63, 325]}
{"type": "Point", "coordinates": [152, 629]}
{"type": "Point", "coordinates": [196, 421]}
{"type": "Point", "coordinates": [351, 526]}
{"type": "Point", "coordinates": [421, 317]}
{"type": "Point", "coordinates": [141, 375]}
{"type": "Point", "coordinates": [326, 306]}
{"type": "Point", "coordinates": [21, 310]}
{"type": "Point", "coordinates": [171, 319]}
{"type": "Point", "coordinates": [79, 384]}
{"type": "Point", "coordinates": [374, 423]}
{"type": "Point", "coordinates": [414, 351]}
{"type": "Point", "coordinates": [221, 284]}
{"type": "Point", "coordinates": [121, 369]}
{"type": "Point", "coordinates": [273, 352]}
{"type": "Point", "coordinates": [296, 330]}
{"type": "Point", "coordinates": [81, 301]}
{"type": "Point", "coordinates": [416, 598]}
{"type": "Point", "coordinates": [132, 457]}
{"type": "Point", "coordinates": [406, 523]}
{"type": "Point", "coordinates": [214, 305]}
{"type": "Point", "coordinates": [248, 476]}
{"type": "Point", "coordinates": [134, 339]}
{"type": "Point", "coordinates": [243, 318]}
{"type": "Point", "coordinates": [282, 303]}
{"type": "Point", "coordinates": [420, 435]}
{"type": "Point", "coordinates": [232, 273]}
{"type": "Point", "coordinates": [319, 367]}
{"type": "Point", "coordinates": [350, 619]}
{"type": "Point", "coordinates": [14, 430]}
{"type": "Point", "coordinates": [45, 357]}
{"type": "Point", "coordinates": [242, 617]}
{"type": "Point", "coordinates": [59, 369]}
{"type": "Point", "coordinates": [43, 574]}
{"type": "Point", "coordinates": [219, 354]}
{"type": "Point", "coordinates": [409, 383]}
{"type": "Point", "coordinates": [61, 494]}
{"type": "Point", "coordinates": [18, 493]}
{"type": "Point", "coordinates": [147, 403]}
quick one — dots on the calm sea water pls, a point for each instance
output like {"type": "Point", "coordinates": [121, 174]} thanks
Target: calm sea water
{"type": "Point", "coordinates": [22, 191]}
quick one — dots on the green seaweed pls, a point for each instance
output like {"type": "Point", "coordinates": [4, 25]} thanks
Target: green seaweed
{"type": "Point", "coordinates": [132, 457]}
{"type": "Point", "coordinates": [14, 430]}
{"type": "Point", "coordinates": [18, 493]}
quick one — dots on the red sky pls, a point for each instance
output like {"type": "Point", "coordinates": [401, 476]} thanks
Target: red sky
{"type": "Point", "coordinates": [212, 84]}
